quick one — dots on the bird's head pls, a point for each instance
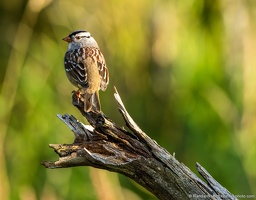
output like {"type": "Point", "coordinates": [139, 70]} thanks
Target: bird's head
{"type": "Point", "coordinates": [80, 38]}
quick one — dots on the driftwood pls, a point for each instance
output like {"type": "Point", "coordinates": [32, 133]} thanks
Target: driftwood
{"type": "Point", "coordinates": [106, 145]}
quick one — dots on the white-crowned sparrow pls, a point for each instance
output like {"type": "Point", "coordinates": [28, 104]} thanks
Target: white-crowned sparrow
{"type": "Point", "coordinates": [86, 68]}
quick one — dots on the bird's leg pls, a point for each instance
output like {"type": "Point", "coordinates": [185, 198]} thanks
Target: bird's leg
{"type": "Point", "coordinates": [79, 95]}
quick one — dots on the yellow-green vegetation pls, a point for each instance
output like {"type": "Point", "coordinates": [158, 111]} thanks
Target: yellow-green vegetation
{"type": "Point", "coordinates": [184, 69]}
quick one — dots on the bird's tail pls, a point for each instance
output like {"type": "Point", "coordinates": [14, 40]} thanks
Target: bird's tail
{"type": "Point", "coordinates": [92, 102]}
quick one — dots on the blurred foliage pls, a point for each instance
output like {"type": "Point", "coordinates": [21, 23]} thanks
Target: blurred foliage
{"type": "Point", "coordinates": [185, 70]}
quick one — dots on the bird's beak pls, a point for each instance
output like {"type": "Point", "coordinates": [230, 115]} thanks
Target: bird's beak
{"type": "Point", "coordinates": [67, 39]}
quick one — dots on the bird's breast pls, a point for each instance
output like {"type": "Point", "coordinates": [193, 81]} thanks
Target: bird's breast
{"type": "Point", "coordinates": [93, 77]}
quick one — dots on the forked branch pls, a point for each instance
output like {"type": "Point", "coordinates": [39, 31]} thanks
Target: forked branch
{"type": "Point", "coordinates": [106, 145]}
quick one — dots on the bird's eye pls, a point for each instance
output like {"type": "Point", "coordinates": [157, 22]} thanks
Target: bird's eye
{"type": "Point", "coordinates": [78, 37]}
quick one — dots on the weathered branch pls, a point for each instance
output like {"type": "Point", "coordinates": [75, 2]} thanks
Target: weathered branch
{"type": "Point", "coordinates": [106, 145]}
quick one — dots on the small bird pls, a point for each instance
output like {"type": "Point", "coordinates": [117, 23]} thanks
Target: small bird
{"type": "Point", "coordinates": [86, 68]}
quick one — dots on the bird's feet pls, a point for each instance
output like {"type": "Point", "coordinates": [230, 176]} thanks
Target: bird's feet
{"type": "Point", "coordinates": [78, 97]}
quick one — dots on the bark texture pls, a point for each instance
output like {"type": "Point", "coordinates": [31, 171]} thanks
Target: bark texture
{"type": "Point", "coordinates": [104, 144]}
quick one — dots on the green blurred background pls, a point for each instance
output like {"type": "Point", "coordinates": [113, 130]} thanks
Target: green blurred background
{"type": "Point", "coordinates": [184, 69]}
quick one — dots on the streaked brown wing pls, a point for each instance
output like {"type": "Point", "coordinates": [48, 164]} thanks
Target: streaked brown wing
{"type": "Point", "coordinates": [103, 71]}
{"type": "Point", "coordinates": [75, 69]}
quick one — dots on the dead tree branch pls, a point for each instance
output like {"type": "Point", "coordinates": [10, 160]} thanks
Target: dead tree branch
{"type": "Point", "coordinates": [106, 145]}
